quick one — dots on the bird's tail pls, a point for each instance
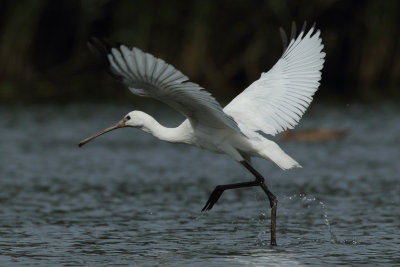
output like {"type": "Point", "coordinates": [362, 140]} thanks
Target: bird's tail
{"type": "Point", "coordinates": [271, 151]}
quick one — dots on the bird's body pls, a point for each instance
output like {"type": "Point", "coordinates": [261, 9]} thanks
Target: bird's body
{"type": "Point", "coordinates": [270, 105]}
{"type": "Point", "coordinates": [218, 140]}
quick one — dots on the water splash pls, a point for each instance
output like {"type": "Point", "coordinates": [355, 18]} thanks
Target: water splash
{"type": "Point", "coordinates": [334, 238]}
{"type": "Point", "coordinates": [313, 201]}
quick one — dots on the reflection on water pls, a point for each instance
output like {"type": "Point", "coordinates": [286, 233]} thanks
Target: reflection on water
{"type": "Point", "coordinates": [129, 199]}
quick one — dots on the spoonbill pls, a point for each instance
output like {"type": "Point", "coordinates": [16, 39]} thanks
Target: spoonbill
{"type": "Point", "coordinates": [273, 103]}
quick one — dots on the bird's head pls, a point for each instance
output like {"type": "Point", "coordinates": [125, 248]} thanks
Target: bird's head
{"type": "Point", "coordinates": [135, 119]}
{"type": "Point", "coordinates": [132, 119]}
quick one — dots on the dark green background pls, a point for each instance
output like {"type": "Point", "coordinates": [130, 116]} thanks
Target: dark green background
{"type": "Point", "coordinates": [222, 45]}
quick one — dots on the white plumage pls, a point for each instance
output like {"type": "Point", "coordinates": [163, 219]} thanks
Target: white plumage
{"type": "Point", "coordinates": [272, 104]}
{"type": "Point", "coordinates": [277, 100]}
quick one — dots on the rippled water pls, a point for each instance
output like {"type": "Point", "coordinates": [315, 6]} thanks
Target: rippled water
{"type": "Point", "coordinates": [128, 199]}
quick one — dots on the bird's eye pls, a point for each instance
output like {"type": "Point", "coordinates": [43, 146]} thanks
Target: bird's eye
{"type": "Point", "coordinates": [128, 117]}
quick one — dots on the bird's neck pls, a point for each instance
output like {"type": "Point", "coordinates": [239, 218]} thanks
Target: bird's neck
{"type": "Point", "coordinates": [174, 135]}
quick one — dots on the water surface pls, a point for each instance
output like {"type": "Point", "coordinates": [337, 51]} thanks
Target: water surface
{"type": "Point", "coordinates": [128, 199]}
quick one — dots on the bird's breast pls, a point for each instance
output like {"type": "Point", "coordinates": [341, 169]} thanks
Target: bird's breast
{"type": "Point", "coordinates": [212, 139]}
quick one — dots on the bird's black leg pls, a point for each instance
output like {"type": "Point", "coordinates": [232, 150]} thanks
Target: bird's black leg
{"type": "Point", "coordinates": [259, 181]}
{"type": "Point", "coordinates": [219, 189]}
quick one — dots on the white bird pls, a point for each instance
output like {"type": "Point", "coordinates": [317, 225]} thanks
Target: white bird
{"type": "Point", "coordinates": [273, 103]}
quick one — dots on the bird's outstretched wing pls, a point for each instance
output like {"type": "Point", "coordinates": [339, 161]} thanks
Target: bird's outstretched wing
{"type": "Point", "coordinates": [277, 100]}
{"type": "Point", "coordinates": [148, 76]}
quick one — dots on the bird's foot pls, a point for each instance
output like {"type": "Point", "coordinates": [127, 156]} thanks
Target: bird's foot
{"type": "Point", "coordinates": [215, 195]}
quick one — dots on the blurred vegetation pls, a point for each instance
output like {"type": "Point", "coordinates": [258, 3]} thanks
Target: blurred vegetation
{"type": "Point", "coordinates": [222, 45]}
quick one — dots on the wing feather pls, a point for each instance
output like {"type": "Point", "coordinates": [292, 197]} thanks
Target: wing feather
{"type": "Point", "coordinates": [148, 76]}
{"type": "Point", "coordinates": [278, 100]}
